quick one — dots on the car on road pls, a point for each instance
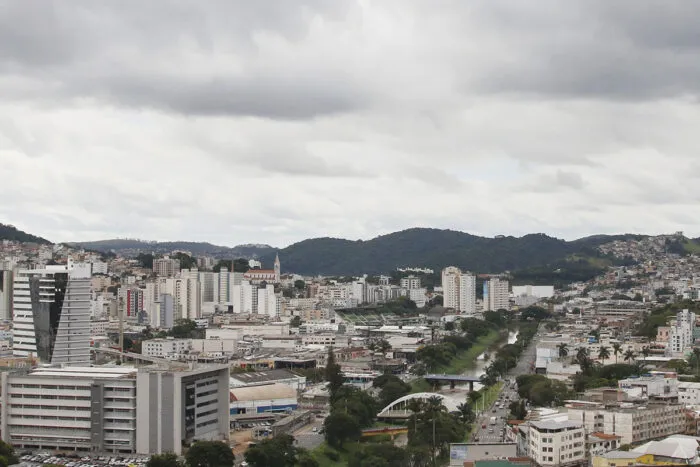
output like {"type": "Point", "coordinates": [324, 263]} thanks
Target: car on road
{"type": "Point", "coordinates": [314, 429]}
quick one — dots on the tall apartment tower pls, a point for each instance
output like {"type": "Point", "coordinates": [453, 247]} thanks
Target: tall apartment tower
{"type": "Point", "coordinates": [496, 295]}
{"type": "Point", "coordinates": [5, 295]}
{"type": "Point", "coordinates": [459, 290]}
{"type": "Point", "coordinates": [51, 314]}
{"type": "Point", "coordinates": [278, 269]}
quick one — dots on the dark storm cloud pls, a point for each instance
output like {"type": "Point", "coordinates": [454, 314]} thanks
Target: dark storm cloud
{"type": "Point", "coordinates": [138, 54]}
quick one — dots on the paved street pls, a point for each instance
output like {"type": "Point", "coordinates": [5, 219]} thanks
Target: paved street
{"type": "Point", "coordinates": [306, 438]}
{"type": "Point", "coordinates": [486, 432]}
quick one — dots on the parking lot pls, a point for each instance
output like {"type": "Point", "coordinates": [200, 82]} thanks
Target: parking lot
{"type": "Point", "coordinates": [30, 460]}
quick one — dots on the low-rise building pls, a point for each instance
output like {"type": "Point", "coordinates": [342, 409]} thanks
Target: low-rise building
{"type": "Point", "coordinates": [267, 398]}
{"type": "Point", "coordinates": [285, 377]}
{"type": "Point", "coordinates": [654, 386]}
{"type": "Point", "coordinates": [688, 393]}
{"type": "Point", "coordinates": [166, 348]}
{"type": "Point", "coordinates": [554, 443]}
{"type": "Point", "coordinates": [634, 423]}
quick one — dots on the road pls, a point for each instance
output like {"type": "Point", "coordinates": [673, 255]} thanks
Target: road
{"type": "Point", "coordinates": [307, 438]}
{"type": "Point", "coordinates": [494, 433]}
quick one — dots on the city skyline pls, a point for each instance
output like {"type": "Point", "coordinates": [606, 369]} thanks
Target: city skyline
{"type": "Point", "coordinates": [233, 122]}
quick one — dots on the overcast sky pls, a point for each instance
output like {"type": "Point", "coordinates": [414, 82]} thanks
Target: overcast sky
{"type": "Point", "coordinates": [264, 121]}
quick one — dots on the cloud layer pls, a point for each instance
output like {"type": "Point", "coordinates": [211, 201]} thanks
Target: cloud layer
{"type": "Point", "coordinates": [268, 121]}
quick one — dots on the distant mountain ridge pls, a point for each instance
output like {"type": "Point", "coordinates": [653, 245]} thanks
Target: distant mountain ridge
{"type": "Point", "coordinates": [132, 247]}
{"type": "Point", "coordinates": [12, 233]}
{"type": "Point", "coordinates": [425, 247]}
{"type": "Point", "coordinates": [432, 248]}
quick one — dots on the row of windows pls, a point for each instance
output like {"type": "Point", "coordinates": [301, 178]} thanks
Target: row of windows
{"type": "Point", "coordinates": [51, 396]}
{"type": "Point", "coordinates": [49, 386]}
{"type": "Point", "coordinates": [208, 383]}
{"type": "Point", "coordinates": [207, 393]}
{"type": "Point", "coordinates": [209, 412]}
{"type": "Point", "coordinates": [210, 422]}
{"type": "Point", "coordinates": [46, 407]}
{"type": "Point", "coordinates": [49, 417]}
{"type": "Point", "coordinates": [203, 404]}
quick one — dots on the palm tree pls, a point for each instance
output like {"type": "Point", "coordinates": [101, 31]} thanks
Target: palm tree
{"type": "Point", "coordinates": [466, 414]}
{"type": "Point", "coordinates": [630, 355]}
{"type": "Point", "coordinates": [433, 404]}
{"type": "Point", "coordinates": [617, 349]}
{"type": "Point", "coordinates": [384, 346]}
{"type": "Point", "coordinates": [474, 396]}
{"type": "Point", "coordinates": [563, 350]}
{"type": "Point", "coordinates": [582, 354]}
{"type": "Point", "coordinates": [646, 351]}
{"type": "Point", "coordinates": [604, 353]}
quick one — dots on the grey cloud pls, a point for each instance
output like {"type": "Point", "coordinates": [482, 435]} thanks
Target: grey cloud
{"type": "Point", "coordinates": [131, 54]}
{"type": "Point", "coordinates": [622, 50]}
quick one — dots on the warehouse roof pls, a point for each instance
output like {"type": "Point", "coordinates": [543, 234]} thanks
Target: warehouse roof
{"type": "Point", "coordinates": [264, 392]}
{"type": "Point", "coordinates": [257, 377]}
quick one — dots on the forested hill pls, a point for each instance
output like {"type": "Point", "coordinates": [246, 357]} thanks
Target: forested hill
{"type": "Point", "coordinates": [431, 248]}
{"type": "Point", "coordinates": [10, 232]}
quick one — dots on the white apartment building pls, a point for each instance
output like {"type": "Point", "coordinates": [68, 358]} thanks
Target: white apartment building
{"type": "Point", "coordinates": [99, 267]}
{"type": "Point", "coordinates": [99, 327]}
{"type": "Point", "coordinates": [459, 290]}
{"type": "Point", "coordinates": [186, 296]}
{"type": "Point", "coordinates": [680, 338]}
{"type": "Point", "coordinates": [496, 295]}
{"type": "Point", "coordinates": [168, 348]}
{"type": "Point", "coordinates": [657, 386]}
{"type": "Point", "coordinates": [537, 291]}
{"type": "Point", "coordinates": [51, 313]}
{"type": "Point", "coordinates": [269, 303]}
{"type": "Point", "coordinates": [553, 443]}
{"type": "Point", "coordinates": [688, 393]}
{"type": "Point", "coordinates": [319, 339]}
{"type": "Point", "coordinates": [634, 424]}
{"type": "Point", "coordinates": [224, 283]}
{"type": "Point", "coordinates": [418, 295]}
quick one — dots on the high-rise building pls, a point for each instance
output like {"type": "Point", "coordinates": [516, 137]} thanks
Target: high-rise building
{"type": "Point", "coordinates": [209, 286]}
{"type": "Point", "coordinates": [680, 338]}
{"type": "Point", "coordinates": [450, 287]}
{"type": "Point", "coordinates": [5, 295]}
{"type": "Point", "coordinates": [459, 290]}
{"type": "Point", "coordinates": [166, 312]}
{"type": "Point", "coordinates": [51, 313]}
{"type": "Point", "coordinates": [166, 267]}
{"type": "Point", "coordinates": [496, 295]}
{"type": "Point", "coordinates": [410, 282]}
{"type": "Point", "coordinates": [119, 410]}
{"type": "Point", "coordinates": [131, 302]}
{"type": "Point", "coordinates": [268, 302]}
{"type": "Point", "coordinates": [224, 282]}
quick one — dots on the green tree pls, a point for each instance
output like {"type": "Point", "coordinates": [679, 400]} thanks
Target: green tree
{"type": "Point", "coordinates": [392, 391]}
{"type": "Point", "coordinates": [340, 427]}
{"type": "Point", "coordinates": [277, 451]}
{"type": "Point", "coordinates": [186, 261]}
{"type": "Point", "coordinates": [184, 328]}
{"type": "Point", "coordinates": [145, 259]}
{"type": "Point", "coordinates": [604, 353]}
{"type": "Point", "coordinates": [563, 349]}
{"type": "Point", "coordinates": [167, 459]}
{"type": "Point", "coordinates": [646, 351]}
{"type": "Point", "coordinates": [306, 460]}
{"type": "Point", "coordinates": [384, 454]}
{"type": "Point", "coordinates": [518, 410]}
{"type": "Point", "coordinates": [617, 350]}
{"type": "Point", "coordinates": [630, 355]}
{"type": "Point", "coordinates": [334, 375]}
{"type": "Point", "coordinates": [299, 284]}
{"type": "Point", "coordinates": [7, 453]}
{"type": "Point", "coordinates": [358, 404]}
{"type": "Point", "coordinates": [295, 321]}
{"type": "Point", "coordinates": [466, 413]}
{"type": "Point", "coordinates": [209, 454]}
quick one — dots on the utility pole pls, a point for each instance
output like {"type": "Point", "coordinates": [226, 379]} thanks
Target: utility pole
{"type": "Point", "coordinates": [434, 439]}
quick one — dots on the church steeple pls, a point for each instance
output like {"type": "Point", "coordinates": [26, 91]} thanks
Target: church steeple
{"type": "Point", "coordinates": [277, 269]}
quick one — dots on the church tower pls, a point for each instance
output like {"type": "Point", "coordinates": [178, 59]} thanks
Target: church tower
{"type": "Point", "coordinates": [277, 269]}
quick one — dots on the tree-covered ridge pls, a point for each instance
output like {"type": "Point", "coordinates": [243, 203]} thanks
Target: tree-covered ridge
{"type": "Point", "coordinates": [12, 233]}
{"type": "Point", "coordinates": [436, 249]}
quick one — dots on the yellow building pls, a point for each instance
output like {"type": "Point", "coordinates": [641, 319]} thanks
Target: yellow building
{"type": "Point", "coordinates": [674, 450]}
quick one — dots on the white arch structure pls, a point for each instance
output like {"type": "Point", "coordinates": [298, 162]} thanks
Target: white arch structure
{"type": "Point", "coordinates": [400, 405]}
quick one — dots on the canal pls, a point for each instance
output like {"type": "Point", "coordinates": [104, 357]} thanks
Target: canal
{"type": "Point", "coordinates": [481, 363]}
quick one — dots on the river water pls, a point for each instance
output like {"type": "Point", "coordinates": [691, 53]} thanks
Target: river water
{"type": "Point", "coordinates": [481, 363]}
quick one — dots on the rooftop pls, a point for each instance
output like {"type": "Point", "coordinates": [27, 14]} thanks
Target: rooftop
{"type": "Point", "coordinates": [264, 392]}
{"type": "Point", "coordinates": [554, 425]}
{"type": "Point", "coordinates": [107, 372]}
{"type": "Point", "coordinates": [263, 376]}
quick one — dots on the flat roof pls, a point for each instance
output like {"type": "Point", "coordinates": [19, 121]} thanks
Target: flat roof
{"type": "Point", "coordinates": [264, 376]}
{"type": "Point", "coordinates": [85, 372]}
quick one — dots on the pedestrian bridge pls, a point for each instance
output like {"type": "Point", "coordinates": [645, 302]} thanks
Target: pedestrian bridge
{"type": "Point", "coordinates": [452, 380]}
{"type": "Point", "coordinates": [399, 409]}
